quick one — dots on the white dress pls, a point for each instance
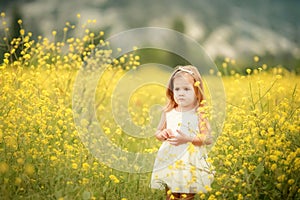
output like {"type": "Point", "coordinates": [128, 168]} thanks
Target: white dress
{"type": "Point", "coordinates": [183, 168]}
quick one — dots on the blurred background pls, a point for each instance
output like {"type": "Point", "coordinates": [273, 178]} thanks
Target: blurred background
{"type": "Point", "coordinates": [235, 29]}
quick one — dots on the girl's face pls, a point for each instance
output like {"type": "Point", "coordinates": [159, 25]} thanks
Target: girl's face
{"type": "Point", "coordinates": [184, 94]}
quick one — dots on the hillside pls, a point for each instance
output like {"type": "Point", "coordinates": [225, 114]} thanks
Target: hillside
{"type": "Point", "coordinates": [231, 28]}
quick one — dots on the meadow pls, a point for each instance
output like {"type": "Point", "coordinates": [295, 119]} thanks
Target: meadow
{"type": "Point", "coordinates": [43, 156]}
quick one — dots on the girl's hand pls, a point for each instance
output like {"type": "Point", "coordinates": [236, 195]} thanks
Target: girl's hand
{"type": "Point", "coordinates": [179, 139]}
{"type": "Point", "coordinates": [164, 134]}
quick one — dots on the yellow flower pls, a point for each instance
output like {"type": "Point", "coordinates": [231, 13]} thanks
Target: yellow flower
{"type": "Point", "coordinates": [273, 167]}
{"type": "Point", "coordinates": [256, 58]}
{"type": "Point", "coordinates": [208, 188]}
{"type": "Point", "coordinates": [212, 197]}
{"type": "Point", "coordinates": [27, 56]}
{"type": "Point", "coordinates": [114, 178]}
{"type": "Point", "coordinates": [85, 166]}
{"type": "Point", "coordinates": [20, 161]}
{"type": "Point", "coordinates": [3, 167]}
{"type": "Point", "coordinates": [29, 169]}
{"type": "Point", "coordinates": [85, 181]}
{"type": "Point", "coordinates": [169, 192]}
{"type": "Point", "coordinates": [248, 71]}
{"type": "Point", "coordinates": [281, 178]}
{"type": "Point", "coordinates": [22, 32]}
{"type": "Point", "coordinates": [74, 166]}
{"type": "Point", "coordinates": [279, 186]}
{"type": "Point", "coordinates": [202, 196]}
{"type": "Point", "coordinates": [191, 148]}
{"type": "Point", "coordinates": [291, 181]}
{"type": "Point", "coordinates": [53, 158]}
{"type": "Point", "coordinates": [240, 197]}
{"type": "Point", "coordinates": [18, 181]}
{"type": "Point", "coordinates": [197, 84]}
{"type": "Point", "coordinates": [218, 193]}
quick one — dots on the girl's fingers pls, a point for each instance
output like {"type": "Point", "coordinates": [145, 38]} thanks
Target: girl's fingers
{"type": "Point", "coordinates": [169, 132]}
{"type": "Point", "coordinates": [173, 141]}
{"type": "Point", "coordinates": [165, 135]}
{"type": "Point", "coordinates": [180, 139]}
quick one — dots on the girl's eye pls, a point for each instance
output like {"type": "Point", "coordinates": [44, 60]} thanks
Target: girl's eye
{"type": "Point", "coordinates": [186, 89]}
{"type": "Point", "coordinates": [176, 89]}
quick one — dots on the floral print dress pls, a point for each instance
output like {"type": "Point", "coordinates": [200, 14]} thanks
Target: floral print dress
{"type": "Point", "coordinates": [182, 168]}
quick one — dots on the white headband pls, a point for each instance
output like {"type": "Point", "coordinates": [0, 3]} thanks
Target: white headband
{"type": "Point", "coordinates": [186, 70]}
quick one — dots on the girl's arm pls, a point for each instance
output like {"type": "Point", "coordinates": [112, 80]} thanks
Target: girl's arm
{"type": "Point", "coordinates": [162, 133]}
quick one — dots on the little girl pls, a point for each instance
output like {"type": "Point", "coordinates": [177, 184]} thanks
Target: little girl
{"type": "Point", "coordinates": [180, 166]}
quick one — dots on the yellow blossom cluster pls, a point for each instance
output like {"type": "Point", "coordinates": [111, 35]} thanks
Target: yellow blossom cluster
{"type": "Point", "coordinates": [257, 154]}
{"type": "Point", "coordinates": [41, 154]}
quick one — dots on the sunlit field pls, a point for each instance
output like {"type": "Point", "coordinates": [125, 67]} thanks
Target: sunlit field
{"type": "Point", "coordinates": [42, 156]}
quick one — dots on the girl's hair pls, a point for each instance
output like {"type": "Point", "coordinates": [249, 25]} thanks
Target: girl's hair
{"type": "Point", "coordinates": [198, 88]}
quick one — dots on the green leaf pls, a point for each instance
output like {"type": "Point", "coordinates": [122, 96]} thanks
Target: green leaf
{"type": "Point", "coordinates": [86, 195]}
{"type": "Point", "coordinates": [259, 170]}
